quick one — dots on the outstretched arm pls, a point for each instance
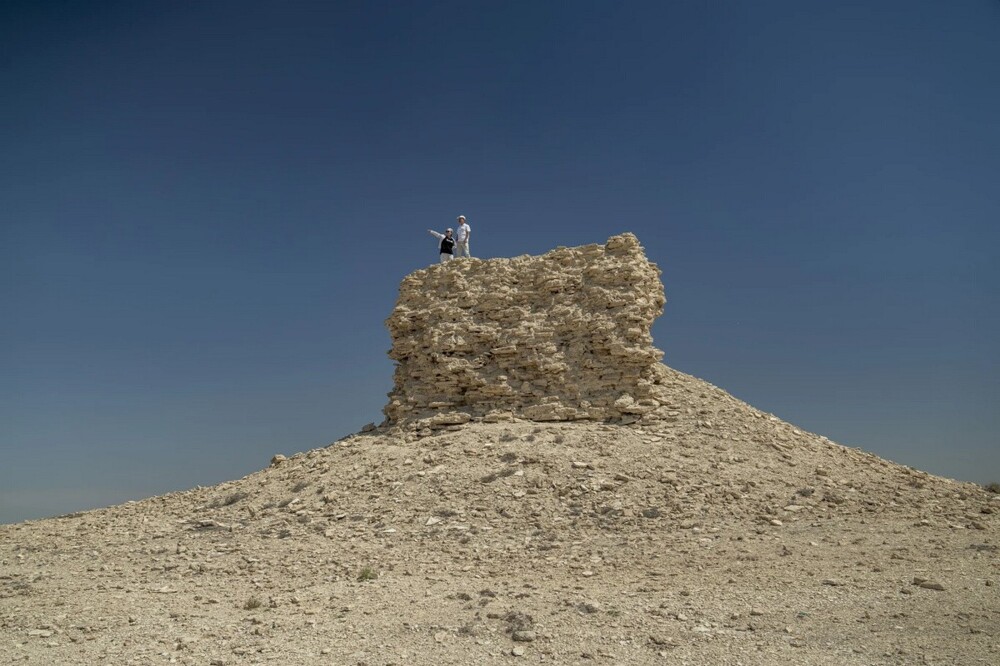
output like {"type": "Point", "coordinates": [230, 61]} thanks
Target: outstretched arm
{"type": "Point", "coordinates": [435, 234]}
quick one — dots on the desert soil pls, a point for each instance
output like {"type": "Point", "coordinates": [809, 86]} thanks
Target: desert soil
{"type": "Point", "coordinates": [719, 536]}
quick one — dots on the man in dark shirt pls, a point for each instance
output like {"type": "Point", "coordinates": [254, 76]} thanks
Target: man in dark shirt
{"type": "Point", "coordinates": [447, 245]}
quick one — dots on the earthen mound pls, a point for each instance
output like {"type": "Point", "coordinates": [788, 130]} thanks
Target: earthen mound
{"type": "Point", "coordinates": [470, 529]}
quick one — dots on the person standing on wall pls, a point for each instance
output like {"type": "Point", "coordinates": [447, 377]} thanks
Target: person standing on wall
{"type": "Point", "coordinates": [447, 245]}
{"type": "Point", "coordinates": [462, 238]}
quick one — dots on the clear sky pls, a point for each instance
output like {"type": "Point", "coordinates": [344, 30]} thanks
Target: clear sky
{"type": "Point", "coordinates": [206, 209]}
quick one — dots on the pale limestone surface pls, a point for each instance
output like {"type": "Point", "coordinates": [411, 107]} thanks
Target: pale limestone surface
{"type": "Point", "coordinates": [558, 337]}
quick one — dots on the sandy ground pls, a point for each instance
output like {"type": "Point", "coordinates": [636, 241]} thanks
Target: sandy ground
{"type": "Point", "coordinates": [720, 536]}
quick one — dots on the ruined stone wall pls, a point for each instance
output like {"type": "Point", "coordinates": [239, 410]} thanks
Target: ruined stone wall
{"type": "Point", "coordinates": [561, 336]}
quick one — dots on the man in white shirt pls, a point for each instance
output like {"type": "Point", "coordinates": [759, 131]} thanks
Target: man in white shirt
{"type": "Point", "coordinates": [462, 235]}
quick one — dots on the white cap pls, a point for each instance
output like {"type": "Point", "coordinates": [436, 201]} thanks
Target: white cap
{"type": "Point", "coordinates": [461, 217]}
{"type": "Point", "coordinates": [449, 229]}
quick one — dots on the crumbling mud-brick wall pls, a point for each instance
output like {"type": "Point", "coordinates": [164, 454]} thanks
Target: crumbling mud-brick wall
{"type": "Point", "coordinates": [561, 336]}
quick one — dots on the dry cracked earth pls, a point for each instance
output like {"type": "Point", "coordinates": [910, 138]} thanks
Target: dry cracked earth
{"type": "Point", "coordinates": [719, 536]}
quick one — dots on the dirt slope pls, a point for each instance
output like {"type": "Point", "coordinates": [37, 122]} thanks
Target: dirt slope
{"type": "Point", "coordinates": [719, 535]}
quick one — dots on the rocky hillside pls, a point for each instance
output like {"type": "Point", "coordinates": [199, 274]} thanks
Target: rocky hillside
{"type": "Point", "coordinates": [701, 531]}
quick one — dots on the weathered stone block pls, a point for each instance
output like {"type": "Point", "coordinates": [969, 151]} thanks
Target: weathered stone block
{"type": "Point", "coordinates": [555, 337]}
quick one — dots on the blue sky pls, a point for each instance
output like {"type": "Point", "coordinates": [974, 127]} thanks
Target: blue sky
{"type": "Point", "coordinates": [206, 209]}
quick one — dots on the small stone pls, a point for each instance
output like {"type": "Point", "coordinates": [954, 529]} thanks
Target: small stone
{"type": "Point", "coordinates": [931, 585]}
{"type": "Point", "coordinates": [776, 522]}
{"type": "Point", "coordinates": [524, 636]}
{"type": "Point", "coordinates": [40, 633]}
{"type": "Point", "coordinates": [433, 520]}
{"type": "Point", "coordinates": [277, 460]}
{"type": "Point", "coordinates": [833, 582]}
{"type": "Point", "coordinates": [518, 651]}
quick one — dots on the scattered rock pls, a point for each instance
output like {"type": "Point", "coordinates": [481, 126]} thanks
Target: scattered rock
{"type": "Point", "coordinates": [518, 621]}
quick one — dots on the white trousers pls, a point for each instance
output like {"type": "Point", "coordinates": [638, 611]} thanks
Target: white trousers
{"type": "Point", "coordinates": [445, 257]}
{"type": "Point", "coordinates": [462, 247]}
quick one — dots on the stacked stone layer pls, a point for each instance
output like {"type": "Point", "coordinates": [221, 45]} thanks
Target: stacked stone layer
{"type": "Point", "coordinates": [561, 336]}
